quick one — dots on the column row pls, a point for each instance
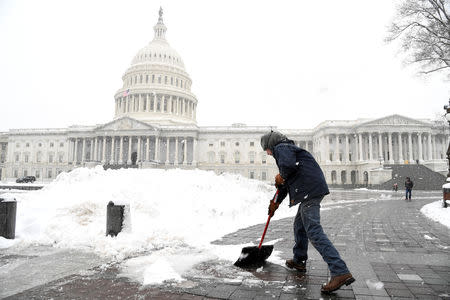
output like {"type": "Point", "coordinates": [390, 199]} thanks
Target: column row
{"type": "Point", "coordinates": [133, 149]}
{"type": "Point", "coordinates": [155, 103]}
{"type": "Point", "coordinates": [390, 147]}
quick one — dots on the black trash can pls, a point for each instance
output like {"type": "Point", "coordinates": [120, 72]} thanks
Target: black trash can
{"type": "Point", "coordinates": [8, 209]}
{"type": "Point", "coordinates": [115, 217]}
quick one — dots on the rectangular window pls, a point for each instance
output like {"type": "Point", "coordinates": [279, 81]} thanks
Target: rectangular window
{"type": "Point", "coordinates": [25, 172]}
{"type": "Point", "coordinates": [17, 157]}
{"type": "Point", "coordinates": [49, 173]}
{"type": "Point", "coordinates": [61, 145]}
{"type": "Point", "coordinates": [263, 176]}
{"type": "Point", "coordinates": [50, 158]}
{"type": "Point", "coordinates": [252, 175]}
{"type": "Point", "coordinates": [51, 145]}
{"type": "Point", "coordinates": [252, 144]}
{"type": "Point", "coordinates": [61, 158]}
{"type": "Point", "coordinates": [146, 78]}
{"type": "Point", "coordinates": [38, 174]}
{"type": "Point", "coordinates": [16, 173]}
{"type": "Point", "coordinates": [159, 79]}
{"type": "Point", "coordinates": [153, 78]}
{"type": "Point", "coordinates": [264, 159]}
{"type": "Point", "coordinates": [222, 158]}
{"type": "Point", "coordinates": [26, 158]}
{"type": "Point", "coordinates": [222, 144]}
{"type": "Point", "coordinates": [211, 144]}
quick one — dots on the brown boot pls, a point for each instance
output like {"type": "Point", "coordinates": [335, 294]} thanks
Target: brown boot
{"type": "Point", "coordinates": [301, 267]}
{"type": "Point", "coordinates": [336, 282]}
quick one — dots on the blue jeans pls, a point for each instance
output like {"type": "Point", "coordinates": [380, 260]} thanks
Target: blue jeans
{"type": "Point", "coordinates": [307, 227]}
{"type": "Point", "coordinates": [408, 192]}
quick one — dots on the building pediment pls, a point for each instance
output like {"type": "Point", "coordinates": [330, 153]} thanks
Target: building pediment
{"type": "Point", "coordinates": [393, 120]}
{"type": "Point", "coordinates": [125, 123]}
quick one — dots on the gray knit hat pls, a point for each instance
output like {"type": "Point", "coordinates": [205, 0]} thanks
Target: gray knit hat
{"type": "Point", "coordinates": [271, 139]}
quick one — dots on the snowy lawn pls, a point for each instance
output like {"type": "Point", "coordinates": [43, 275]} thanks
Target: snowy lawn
{"type": "Point", "coordinates": [437, 213]}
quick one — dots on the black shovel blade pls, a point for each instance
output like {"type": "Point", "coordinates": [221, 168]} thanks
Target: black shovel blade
{"type": "Point", "coordinates": [253, 256]}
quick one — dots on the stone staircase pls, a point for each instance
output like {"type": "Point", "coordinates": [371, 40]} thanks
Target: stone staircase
{"type": "Point", "coordinates": [423, 177]}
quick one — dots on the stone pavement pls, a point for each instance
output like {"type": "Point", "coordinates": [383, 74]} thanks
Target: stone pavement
{"type": "Point", "coordinates": [392, 250]}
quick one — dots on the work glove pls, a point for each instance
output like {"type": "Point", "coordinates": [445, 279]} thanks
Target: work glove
{"type": "Point", "coordinates": [279, 181]}
{"type": "Point", "coordinates": [273, 206]}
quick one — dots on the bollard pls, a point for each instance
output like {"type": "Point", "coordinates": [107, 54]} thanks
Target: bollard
{"type": "Point", "coordinates": [8, 218]}
{"type": "Point", "coordinates": [446, 195]}
{"type": "Point", "coordinates": [115, 217]}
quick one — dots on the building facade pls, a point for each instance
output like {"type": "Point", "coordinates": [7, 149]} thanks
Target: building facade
{"type": "Point", "coordinates": [155, 126]}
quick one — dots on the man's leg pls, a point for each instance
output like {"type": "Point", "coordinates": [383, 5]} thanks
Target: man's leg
{"type": "Point", "coordinates": [301, 239]}
{"type": "Point", "coordinates": [310, 214]}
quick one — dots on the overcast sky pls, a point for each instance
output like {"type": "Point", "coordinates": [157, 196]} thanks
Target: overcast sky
{"type": "Point", "coordinates": [290, 64]}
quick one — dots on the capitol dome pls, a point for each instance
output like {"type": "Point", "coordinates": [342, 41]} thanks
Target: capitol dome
{"type": "Point", "coordinates": [156, 87]}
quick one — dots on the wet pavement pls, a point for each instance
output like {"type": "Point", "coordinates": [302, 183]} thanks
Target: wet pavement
{"type": "Point", "coordinates": [391, 248]}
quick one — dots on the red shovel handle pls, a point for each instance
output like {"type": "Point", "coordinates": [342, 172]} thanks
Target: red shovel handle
{"type": "Point", "coordinates": [264, 233]}
{"type": "Point", "coordinates": [268, 220]}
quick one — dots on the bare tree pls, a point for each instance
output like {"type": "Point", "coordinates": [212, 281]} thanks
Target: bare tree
{"type": "Point", "coordinates": [423, 26]}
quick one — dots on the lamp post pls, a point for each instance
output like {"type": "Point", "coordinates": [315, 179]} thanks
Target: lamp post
{"type": "Point", "coordinates": [446, 186]}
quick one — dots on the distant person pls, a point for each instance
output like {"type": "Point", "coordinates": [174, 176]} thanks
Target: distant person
{"type": "Point", "coordinates": [395, 187]}
{"type": "Point", "coordinates": [408, 186]}
{"type": "Point", "coordinates": [302, 178]}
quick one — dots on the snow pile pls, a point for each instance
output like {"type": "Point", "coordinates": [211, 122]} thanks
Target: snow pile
{"type": "Point", "coordinates": [175, 214]}
{"type": "Point", "coordinates": [437, 213]}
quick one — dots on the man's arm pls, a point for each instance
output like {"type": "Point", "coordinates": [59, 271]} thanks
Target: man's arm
{"type": "Point", "coordinates": [286, 161]}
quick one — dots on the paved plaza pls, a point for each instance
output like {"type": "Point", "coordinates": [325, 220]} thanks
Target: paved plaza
{"type": "Point", "coordinates": [391, 248]}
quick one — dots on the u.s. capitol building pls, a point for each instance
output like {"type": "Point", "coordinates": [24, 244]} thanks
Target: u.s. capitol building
{"type": "Point", "coordinates": [155, 126]}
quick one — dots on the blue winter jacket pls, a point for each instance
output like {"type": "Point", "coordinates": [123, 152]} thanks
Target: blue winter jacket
{"type": "Point", "coordinates": [303, 176]}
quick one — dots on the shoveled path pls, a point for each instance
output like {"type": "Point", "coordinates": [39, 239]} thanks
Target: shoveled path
{"type": "Point", "coordinates": [392, 250]}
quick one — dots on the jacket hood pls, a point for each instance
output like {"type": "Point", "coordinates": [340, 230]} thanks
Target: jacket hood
{"type": "Point", "coordinates": [271, 139]}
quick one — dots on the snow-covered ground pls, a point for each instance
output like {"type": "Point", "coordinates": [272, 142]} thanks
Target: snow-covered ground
{"type": "Point", "coordinates": [436, 212]}
{"type": "Point", "coordinates": [175, 214]}
{"type": "Point", "coordinates": [174, 217]}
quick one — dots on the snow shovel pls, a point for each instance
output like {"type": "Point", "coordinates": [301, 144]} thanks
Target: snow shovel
{"type": "Point", "coordinates": [253, 256]}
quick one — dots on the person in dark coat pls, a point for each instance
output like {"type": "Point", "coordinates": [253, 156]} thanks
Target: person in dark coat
{"type": "Point", "coordinates": [408, 186]}
{"type": "Point", "coordinates": [302, 178]}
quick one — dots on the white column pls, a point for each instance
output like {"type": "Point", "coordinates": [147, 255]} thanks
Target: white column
{"type": "Point", "coordinates": [139, 154]}
{"type": "Point", "coordinates": [176, 151]}
{"type": "Point", "coordinates": [391, 152]}
{"type": "Point", "coordinates": [185, 152]}
{"type": "Point", "coordinates": [430, 147]}
{"type": "Point", "coordinates": [167, 150]}
{"type": "Point", "coordinates": [370, 147]}
{"type": "Point", "coordinates": [104, 150]}
{"type": "Point", "coordinates": [410, 158]}
{"type": "Point", "coordinates": [83, 151]}
{"type": "Point", "coordinates": [400, 148]}
{"type": "Point", "coordinates": [96, 149]}
{"type": "Point", "coordinates": [194, 151]}
{"type": "Point", "coordinates": [72, 152]}
{"type": "Point", "coordinates": [433, 149]}
{"type": "Point", "coordinates": [147, 98]}
{"type": "Point", "coordinates": [111, 159]}
{"type": "Point", "coordinates": [157, 148]}
{"type": "Point", "coordinates": [380, 146]}
{"type": "Point", "coordinates": [130, 141]}
{"type": "Point", "coordinates": [121, 151]}
{"type": "Point", "coordinates": [419, 141]}
{"type": "Point", "coordinates": [91, 158]}
{"type": "Point", "coordinates": [147, 149]}
{"type": "Point", "coordinates": [327, 148]}
{"type": "Point", "coordinates": [336, 149]}
{"type": "Point", "coordinates": [347, 150]}
{"type": "Point", "coordinates": [360, 144]}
